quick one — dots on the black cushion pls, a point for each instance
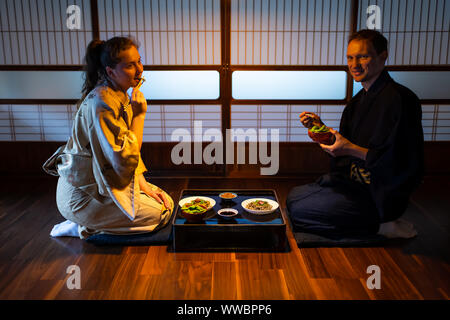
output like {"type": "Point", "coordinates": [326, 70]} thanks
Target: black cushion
{"type": "Point", "coordinates": [162, 236]}
{"type": "Point", "coordinates": [309, 240]}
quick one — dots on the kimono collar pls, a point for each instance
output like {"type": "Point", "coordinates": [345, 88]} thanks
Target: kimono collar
{"type": "Point", "coordinates": [120, 96]}
{"type": "Point", "coordinates": [123, 97]}
{"type": "Point", "coordinates": [379, 84]}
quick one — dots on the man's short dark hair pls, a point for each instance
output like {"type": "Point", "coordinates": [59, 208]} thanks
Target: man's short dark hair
{"type": "Point", "coordinates": [378, 41]}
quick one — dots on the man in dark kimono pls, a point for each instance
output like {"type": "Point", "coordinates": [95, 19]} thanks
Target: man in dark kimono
{"type": "Point", "coordinates": [377, 155]}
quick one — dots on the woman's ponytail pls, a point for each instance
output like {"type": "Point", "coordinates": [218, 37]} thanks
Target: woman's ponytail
{"type": "Point", "coordinates": [93, 69]}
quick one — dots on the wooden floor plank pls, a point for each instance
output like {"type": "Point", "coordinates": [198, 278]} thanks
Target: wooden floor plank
{"type": "Point", "coordinates": [155, 261]}
{"type": "Point", "coordinates": [297, 278]}
{"type": "Point", "coordinates": [127, 282]}
{"type": "Point", "coordinates": [224, 281]}
{"type": "Point", "coordinates": [417, 274]}
{"type": "Point", "coordinates": [257, 283]}
{"type": "Point", "coordinates": [339, 289]}
{"type": "Point", "coordinates": [394, 282]}
{"type": "Point", "coordinates": [315, 265]}
{"type": "Point", "coordinates": [326, 289]}
{"type": "Point", "coordinates": [336, 263]}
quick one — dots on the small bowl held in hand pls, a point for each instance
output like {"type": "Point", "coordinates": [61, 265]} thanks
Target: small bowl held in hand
{"type": "Point", "coordinates": [321, 137]}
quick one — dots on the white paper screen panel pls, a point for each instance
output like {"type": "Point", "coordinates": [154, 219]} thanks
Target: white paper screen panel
{"type": "Point", "coordinates": [36, 33]}
{"type": "Point", "coordinates": [170, 32]}
{"type": "Point", "coordinates": [162, 120]}
{"type": "Point", "coordinates": [54, 122]}
{"type": "Point", "coordinates": [289, 85]}
{"type": "Point", "coordinates": [436, 122]}
{"type": "Point", "coordinates": [40, 84]}
{"type": "Point", "coordinates": [36, 122]}
{"type": "Point", "coordinates": [425, 84]}
{"type": "Point", "coordinates": [295, 32]}
{"type": "Point", "coordinates": [181, 85]}
{"type": "Point", "coordinates": [417, 30]}
{"type": "Point", "coordinates": [285, 118]}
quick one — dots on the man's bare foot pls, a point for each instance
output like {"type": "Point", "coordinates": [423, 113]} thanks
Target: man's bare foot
{"type": "Point", "coordinates": [397, 229]}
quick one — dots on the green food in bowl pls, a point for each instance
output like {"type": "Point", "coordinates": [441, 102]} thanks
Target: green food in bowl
{"type": "Point", "coordinates": [193, 209]}
{"type": "Point", "coordinates": [317, 129]}
{"type": "Point", "coordinates": [196, 206]}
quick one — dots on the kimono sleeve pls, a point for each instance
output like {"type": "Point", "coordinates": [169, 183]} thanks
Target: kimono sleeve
{"type": "Point", "coordinates": [117, 147]}
{"type": "Point", "coordinates": [141, 168]}
{"type": "Point", "coordinates": [342, 164]}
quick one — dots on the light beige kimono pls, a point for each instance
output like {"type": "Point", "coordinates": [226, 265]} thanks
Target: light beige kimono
{"type": "Point", "coordinates": [99, 171]}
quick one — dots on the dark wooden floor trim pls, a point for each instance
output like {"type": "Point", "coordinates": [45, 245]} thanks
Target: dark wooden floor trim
{"type": "Point", "coordinates": [296, 158]}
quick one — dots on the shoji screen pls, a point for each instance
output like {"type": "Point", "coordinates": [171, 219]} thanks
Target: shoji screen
{"type": "Point", "coordinates": [291, 32]}
{"type": "Point", "coordinates": [54, 122]}
{"type": "Point", "coordinates": [36, 122]}
{"type": "Point", "coordinates": [162, 120]}
{"type": "Point", "coordinates": [36, 33]}
{"type": "Point", "coordinates": [436, 122]}
{"type": "Point", "coordinates": [417, 30]}
{"type": "Point", "coordinates": [171, 32]}
{"type": "Point", "coordinates": [291, 35]}
{"type": "Point", "coordinates": [283, 118]}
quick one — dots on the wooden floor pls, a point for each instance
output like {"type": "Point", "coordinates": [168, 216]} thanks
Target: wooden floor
{"type": "Point", "coordinates": [33, 265]}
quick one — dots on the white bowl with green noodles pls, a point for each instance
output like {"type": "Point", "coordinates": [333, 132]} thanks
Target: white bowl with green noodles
{"type": "Point", "coordinates": [259, 205]}
{"type": "Point", "coordinates": [194, 208]}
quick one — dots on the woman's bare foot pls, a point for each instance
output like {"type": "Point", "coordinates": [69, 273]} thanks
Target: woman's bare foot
{"type": "Point", "coordinates": [397, 229]}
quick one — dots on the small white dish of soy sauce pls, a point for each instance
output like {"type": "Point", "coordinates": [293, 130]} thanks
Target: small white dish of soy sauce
{"type": "Point", "coordinates": [227, 213]}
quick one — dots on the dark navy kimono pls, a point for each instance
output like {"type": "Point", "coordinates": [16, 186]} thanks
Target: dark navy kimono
{"type": "Point", "coordinates": [357, 195]}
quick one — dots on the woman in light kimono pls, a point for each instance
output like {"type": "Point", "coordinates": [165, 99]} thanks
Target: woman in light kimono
{"type": "Point", "coordinates": [101, 186]}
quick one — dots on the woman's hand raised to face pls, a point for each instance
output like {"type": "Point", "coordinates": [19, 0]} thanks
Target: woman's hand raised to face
{"type": "Point", "coordinates": [138, 102]}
